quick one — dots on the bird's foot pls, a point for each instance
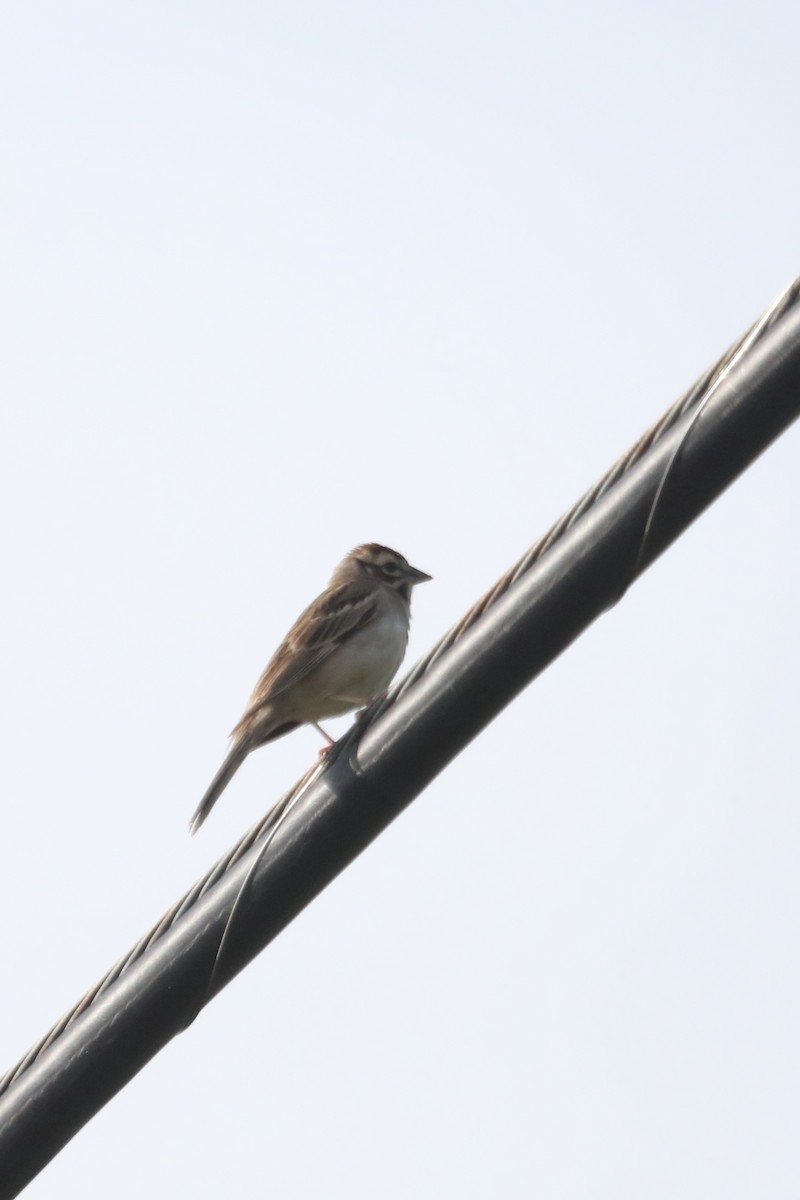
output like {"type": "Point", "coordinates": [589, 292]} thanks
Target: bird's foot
{"type": "Point", "coordinates": [331, 743]}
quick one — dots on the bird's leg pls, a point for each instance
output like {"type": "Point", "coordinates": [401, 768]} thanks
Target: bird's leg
{"type": "Point", "coordinates": [361, 716]}
{"type": "Point", "coordinates": [325, 749]}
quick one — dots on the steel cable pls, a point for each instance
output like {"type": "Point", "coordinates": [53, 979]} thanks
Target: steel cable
{"type": "Point", "coordinates": [693, 399]}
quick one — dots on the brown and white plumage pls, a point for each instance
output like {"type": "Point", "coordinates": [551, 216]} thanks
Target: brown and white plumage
{"type": "Point", "coordinates": [340, 654]}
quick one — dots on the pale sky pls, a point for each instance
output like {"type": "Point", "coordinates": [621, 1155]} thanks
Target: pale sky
{"type": "Point", "coordinates": [279, 279]}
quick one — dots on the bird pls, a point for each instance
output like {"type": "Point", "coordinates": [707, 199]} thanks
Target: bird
{"type": "Point", "coordinates": [341, 653]}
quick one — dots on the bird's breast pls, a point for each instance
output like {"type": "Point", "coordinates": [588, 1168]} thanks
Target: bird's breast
{"type": "Point", "coordinates": [364, 666]}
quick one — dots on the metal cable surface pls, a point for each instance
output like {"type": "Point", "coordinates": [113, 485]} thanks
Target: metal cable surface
{"type": "Point", "coordinates": [694, 398]}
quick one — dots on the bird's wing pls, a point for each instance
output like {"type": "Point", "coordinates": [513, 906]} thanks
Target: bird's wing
{"type": "Point", "coordinates": [331, 620]}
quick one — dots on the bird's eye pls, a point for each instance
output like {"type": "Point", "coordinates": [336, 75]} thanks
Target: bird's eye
{"type": "Point", "coordinates": [391, 568]}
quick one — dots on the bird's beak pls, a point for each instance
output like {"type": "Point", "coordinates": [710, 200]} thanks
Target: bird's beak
{"type": "Point", "coordinates": [418, 576]}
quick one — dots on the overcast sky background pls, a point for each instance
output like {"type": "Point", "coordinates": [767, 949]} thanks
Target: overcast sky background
{"type": "Point", "coordinates": [281, 278]}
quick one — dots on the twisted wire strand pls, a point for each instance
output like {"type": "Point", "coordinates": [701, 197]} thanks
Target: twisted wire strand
{"type": "Point", "coordinates": [695, 398]}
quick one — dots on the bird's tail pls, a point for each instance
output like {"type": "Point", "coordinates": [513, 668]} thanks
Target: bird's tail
{"type": "Point", "coordinates": [256, 727]}
{"type": "Point", "coordinates": [233, 760]}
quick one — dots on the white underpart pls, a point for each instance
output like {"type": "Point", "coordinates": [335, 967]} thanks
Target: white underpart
{"type": "Point", "coordinates": [362, 668]}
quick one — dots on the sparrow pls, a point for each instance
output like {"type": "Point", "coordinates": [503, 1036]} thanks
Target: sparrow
{"type": "Point", "coordinates": [340, 654]}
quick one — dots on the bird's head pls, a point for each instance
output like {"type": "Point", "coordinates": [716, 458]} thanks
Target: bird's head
{"type": "Point", "coordinates": [380, 564]}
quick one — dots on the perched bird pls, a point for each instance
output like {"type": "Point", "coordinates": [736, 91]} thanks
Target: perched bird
{"type": "Point", "coordinates": [340, 654]}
